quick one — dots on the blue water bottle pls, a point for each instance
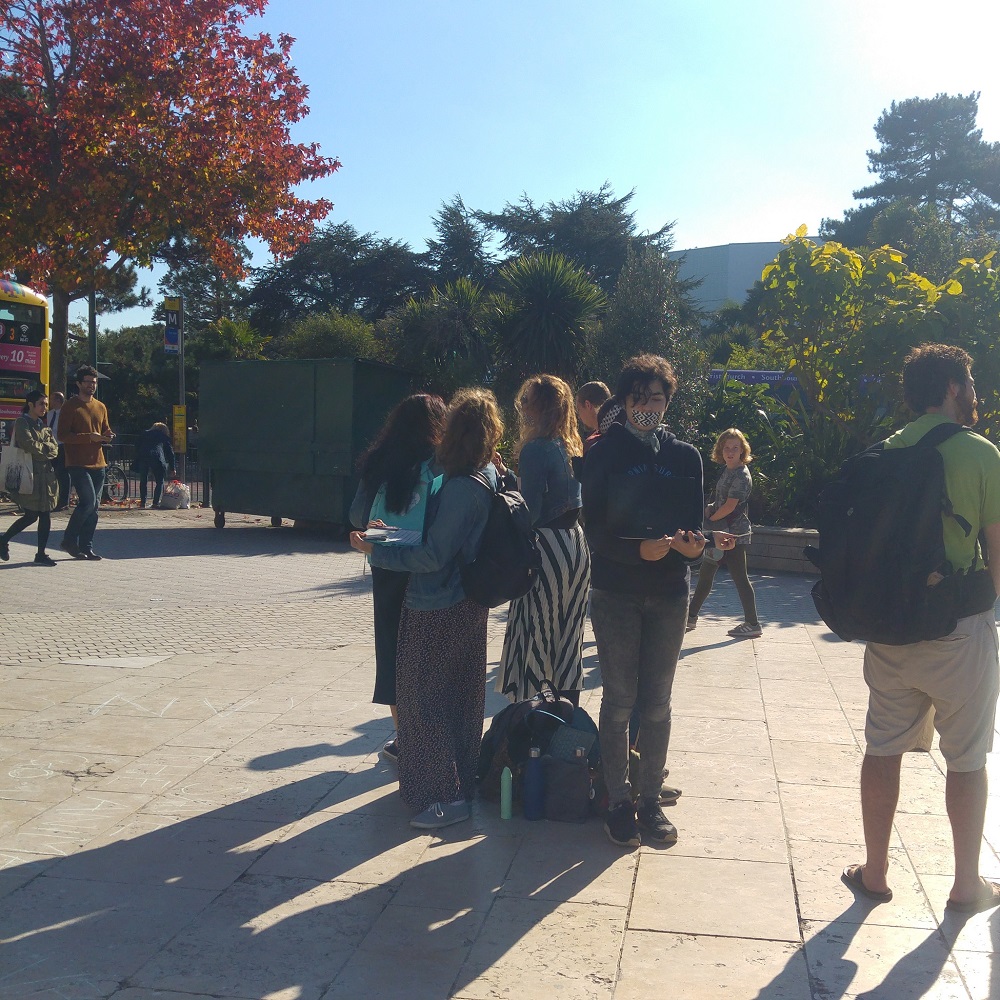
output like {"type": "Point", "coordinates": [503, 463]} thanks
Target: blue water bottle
{"type": "Point", "coordinates": [533, 787]}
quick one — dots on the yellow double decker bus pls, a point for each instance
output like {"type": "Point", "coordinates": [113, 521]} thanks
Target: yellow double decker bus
{"type": "Point", "coordinates": [24, 350]}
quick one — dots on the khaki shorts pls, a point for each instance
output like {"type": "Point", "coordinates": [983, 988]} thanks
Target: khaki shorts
{"type": "Point", "coordinates": [949, 684]}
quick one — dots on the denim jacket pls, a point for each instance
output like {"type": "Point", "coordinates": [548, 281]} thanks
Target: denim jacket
{"type": "Point", "coordinates": [456, 515]}
{"type": "Point", "coordinates": [547, 483]}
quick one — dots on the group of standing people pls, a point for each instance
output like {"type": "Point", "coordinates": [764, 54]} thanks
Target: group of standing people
{"type": "Point", "coordinates": [619, 528]}
{"type": "Point", "coordinates": [66, 445]}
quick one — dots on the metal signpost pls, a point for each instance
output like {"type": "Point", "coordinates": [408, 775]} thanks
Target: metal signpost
{"type": "Point", "coordinates": [173, 343]}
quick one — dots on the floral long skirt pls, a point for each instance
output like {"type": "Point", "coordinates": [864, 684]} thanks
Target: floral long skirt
{"type": "Point", "coordinates": [440, 697]}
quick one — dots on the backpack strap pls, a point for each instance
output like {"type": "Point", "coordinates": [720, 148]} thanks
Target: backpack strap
{"type": "Point", "coordinates": [935, 436]}
{"type": "Point", "coordinates": [939, 434]}
{"type": "Point", "coordinates": [480, 478]}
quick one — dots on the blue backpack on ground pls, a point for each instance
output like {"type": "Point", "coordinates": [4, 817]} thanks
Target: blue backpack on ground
{"type": "Point", "coordinates": [508, 562]}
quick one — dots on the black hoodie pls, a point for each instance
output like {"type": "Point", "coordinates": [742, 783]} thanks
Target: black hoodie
{"type": "Point", "coordinates": [671, 473]}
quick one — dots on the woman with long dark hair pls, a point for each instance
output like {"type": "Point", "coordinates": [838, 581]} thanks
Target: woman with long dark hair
{"type": "Point", "coordinates": [31, 435]}
{"type": "Point", "coordinates": [442, 634]}
{"type": "Point", "coordinates": [544, 637]}
{"type": "Point", "coordinates": [397, 478]}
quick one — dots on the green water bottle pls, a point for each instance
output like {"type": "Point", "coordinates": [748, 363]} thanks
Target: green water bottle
{"type": "Point", "coordinates": [506, 794]}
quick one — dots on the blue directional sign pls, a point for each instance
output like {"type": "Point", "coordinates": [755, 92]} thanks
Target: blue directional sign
{"type": "Point", "coordinates": [172, 330]}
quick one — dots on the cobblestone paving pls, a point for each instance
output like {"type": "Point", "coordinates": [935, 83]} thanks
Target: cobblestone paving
{"type": "Point", "coordinates": [169, 584]}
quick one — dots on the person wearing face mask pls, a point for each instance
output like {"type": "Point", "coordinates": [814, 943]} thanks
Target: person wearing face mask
{"type": "Point", "coordinates": [31, 435]}
{"type": "Point", "coordinates": [643, 502]}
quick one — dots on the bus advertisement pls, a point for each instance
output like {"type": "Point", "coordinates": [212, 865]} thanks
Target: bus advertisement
{"type": "Point", "coordinates": [24, 350]}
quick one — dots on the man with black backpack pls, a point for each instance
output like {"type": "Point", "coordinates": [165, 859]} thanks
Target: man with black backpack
{"type": "Point", "coordinates": [949, 683]}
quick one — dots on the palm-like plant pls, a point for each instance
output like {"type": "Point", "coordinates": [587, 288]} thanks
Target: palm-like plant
{"type": "Point", "coordinates": [444, 337]}
{"type": "Point", "coordinates": [542, 312]}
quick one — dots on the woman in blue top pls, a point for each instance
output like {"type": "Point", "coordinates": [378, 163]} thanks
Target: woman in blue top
{"type": "Point", "coordinates": [441, 662]}
{"type": "Point", "coordinates": [394, 468]}
{"type": "Point", "coordinates": [544, 638]}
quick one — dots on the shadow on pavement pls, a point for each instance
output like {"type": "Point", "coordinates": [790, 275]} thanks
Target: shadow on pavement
{"type": "Point", "coordinates": [228, 903]}
{"type": "Point", "coordinates": [831, 974]}
{"type": "Point", "coordinates": [123, 543]}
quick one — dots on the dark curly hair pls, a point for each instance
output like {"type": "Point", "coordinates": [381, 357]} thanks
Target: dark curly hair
{"type": "Point", "coordinates": [408, 438]}
{"type": "Point", "coordinates": [928, 371]}
{"type": "Point", "coordinates": [640, 372]}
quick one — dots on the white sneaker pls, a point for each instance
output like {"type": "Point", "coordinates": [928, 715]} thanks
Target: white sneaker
{"type": "Point", "coordinates": [441, 814]}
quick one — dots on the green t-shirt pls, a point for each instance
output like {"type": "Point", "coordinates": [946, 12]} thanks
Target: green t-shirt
{"type": "Point", "coordinates": [972, 478]}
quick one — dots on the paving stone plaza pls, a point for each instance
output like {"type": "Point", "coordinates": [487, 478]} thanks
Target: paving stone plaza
{"type": "Point", "coordinates": [192, 806]}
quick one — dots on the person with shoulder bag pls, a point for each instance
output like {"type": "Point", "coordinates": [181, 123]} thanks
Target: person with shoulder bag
{"type": "Point", "coordinates": [947, 679]}
{"type": "Point", "coordinates": [441, 661]}
{"type": "Point", "coordinates": [34, 437]}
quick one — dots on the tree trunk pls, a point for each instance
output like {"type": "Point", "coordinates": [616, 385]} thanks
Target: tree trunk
{"type": "Point", "coordinates": [60, 339]}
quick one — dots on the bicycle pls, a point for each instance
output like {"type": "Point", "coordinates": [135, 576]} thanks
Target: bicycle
{"type": "Point", "coordinates": [116, 484]}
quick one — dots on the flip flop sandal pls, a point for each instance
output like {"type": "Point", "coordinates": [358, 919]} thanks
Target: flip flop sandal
{"type": "Point", "coordinates": [852, 876]}
{"type": "Point", "coordinates": [989, 898]}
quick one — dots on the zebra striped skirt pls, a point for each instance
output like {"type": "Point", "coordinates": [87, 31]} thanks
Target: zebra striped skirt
{"type": "Point", "coordinates": [544, 637]}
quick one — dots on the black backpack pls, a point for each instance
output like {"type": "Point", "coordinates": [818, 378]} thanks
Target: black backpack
{"type": "Point", "coordinates": [880, 537]}
{"type": "Point", "coordinates": [508, 561]}
{"type": "Point", "coordinates": [518, 727]}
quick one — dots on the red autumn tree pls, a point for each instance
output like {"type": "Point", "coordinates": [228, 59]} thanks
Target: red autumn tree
{"type": "Point", "coordinates": [127, 121]}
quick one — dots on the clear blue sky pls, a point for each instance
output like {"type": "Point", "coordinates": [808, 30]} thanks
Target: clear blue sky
{"type": "Point", "coordinates": [737, 121]}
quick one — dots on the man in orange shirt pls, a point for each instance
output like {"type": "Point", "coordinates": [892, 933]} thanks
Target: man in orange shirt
{"type": "Point", "coordinates": [83, 429]}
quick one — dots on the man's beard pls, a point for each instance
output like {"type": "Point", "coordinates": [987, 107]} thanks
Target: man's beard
{"type": "Point", "coordinates": [968, 413]}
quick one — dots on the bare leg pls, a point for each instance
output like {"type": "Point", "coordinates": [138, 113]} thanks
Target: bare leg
{"type": "Point", "coordinates": [395, 716]}
{"type": "Point", "coordinates": [879, 795]}
{"type": "Point", "coordinates": [965, 797]}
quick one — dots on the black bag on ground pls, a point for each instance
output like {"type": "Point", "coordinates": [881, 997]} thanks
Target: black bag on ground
{"type": "Point", "coordinates": [881, 537]}
{"type": "Point", "coordinates": [508, 562]}
{"type": "Point", "coordinates": [517, 728]}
